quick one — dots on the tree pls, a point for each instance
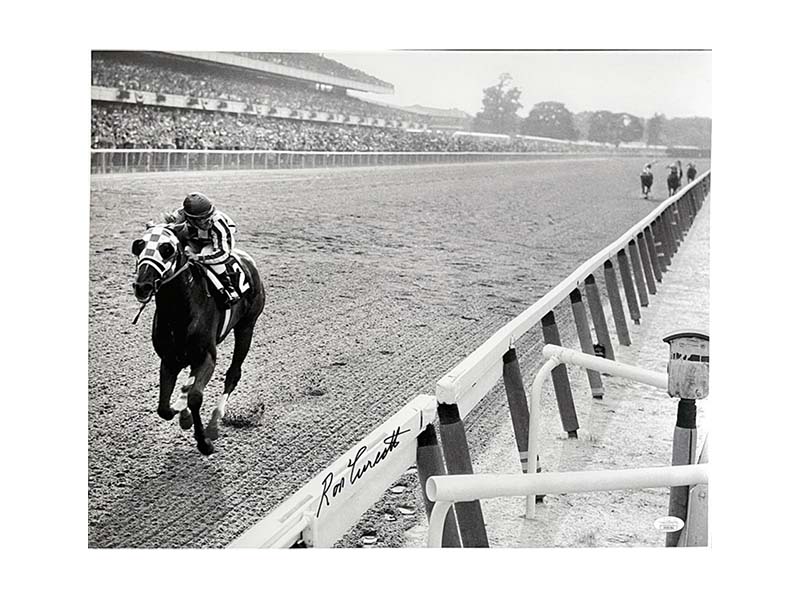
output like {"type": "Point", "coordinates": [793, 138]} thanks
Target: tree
{"type": "Point", "coordinates": [630, 127]}
{"type": "Point", "coordinates": [602, 127]}
{"type": "Point", "coordinates": [500, 106]}
{"type": "Point", "coordinates": [550, 119]}
{"type": "Point", "coordinates": [605, 126]}
{"type": "Point", "coordinates": [655, 128]}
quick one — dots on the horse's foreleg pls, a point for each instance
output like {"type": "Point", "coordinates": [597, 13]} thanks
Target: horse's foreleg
{"type": "Point", "coordinates": [166, 385]}
{"type": "Point", "coordinates": [201, 375]}
{"type": "Point", "coordinates": [243, 337]}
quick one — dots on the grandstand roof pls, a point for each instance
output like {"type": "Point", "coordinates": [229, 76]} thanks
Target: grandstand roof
{"type": "Point", "coordinates": [453, 113]}
{"type": "Point", "coordinates": [345, 77]}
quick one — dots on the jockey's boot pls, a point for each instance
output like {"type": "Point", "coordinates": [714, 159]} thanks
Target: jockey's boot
{"type": "Point", "coordinates": [231, 296]}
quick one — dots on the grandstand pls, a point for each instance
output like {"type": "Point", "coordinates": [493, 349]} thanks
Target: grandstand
{"type": "Point", "coordinates": [272, 101]}
{"type": "Point", "coordinates": [451, 119]}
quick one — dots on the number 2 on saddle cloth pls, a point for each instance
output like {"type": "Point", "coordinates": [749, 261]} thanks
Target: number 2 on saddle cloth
{"type": "Point", "coordinates": [228, 281]}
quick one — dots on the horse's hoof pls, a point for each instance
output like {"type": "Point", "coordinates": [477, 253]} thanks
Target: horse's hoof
{"type": "Point", "coordinates": [212, 431]}
{"type": "Point", "coordinates": [206, 447]}
{"type": "Point", "coordinates": [186, 420]}
{"type": "Point", "coordinates": [166, 413]}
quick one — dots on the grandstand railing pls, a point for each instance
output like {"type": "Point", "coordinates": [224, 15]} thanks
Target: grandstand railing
{"type": "Point", "coordinates": [156, 160]}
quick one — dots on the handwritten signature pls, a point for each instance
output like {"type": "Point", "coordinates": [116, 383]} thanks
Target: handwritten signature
{"type": "Point", "coordinates": [390, 443]}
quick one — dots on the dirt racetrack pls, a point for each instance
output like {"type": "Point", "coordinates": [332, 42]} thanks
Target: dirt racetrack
{"type": "Point", "coordinates": [379, 280]}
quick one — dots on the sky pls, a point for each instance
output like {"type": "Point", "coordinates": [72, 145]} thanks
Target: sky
{"type": "Point", "coordinates": [641, 83]}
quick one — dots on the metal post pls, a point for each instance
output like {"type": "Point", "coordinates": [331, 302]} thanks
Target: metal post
{"type": "Point", "coordinates": [662, 243]}
{"type": "Point", "coordinates": [695, 532]}
{"type": "Point", "coordinates": [655, 260]}
{"type": "Point", "coordinates": [638, 276]}
{"type": "Point", "coordinates": [675, 223]}
{"type": "Point", "coordinates": [458, 462]}
{"type": "Point", "coordinates": [691, 205]}
{"type": "Point", "coordinates": [517, 404]}
{"type": "Point", "coordinates": [679, 218]}
{"type": "Point", "coordinates": [566, 406]}
{"type": "Point", "coordinates": [684, 444]}
{"type": "Point", "coordinates": [687, 379]}
{"type": "Point", "coordinates": [429, 463]}
{"type": "Point", "coordinates": [647, 266]}
{"type": "Point", "coordinates": [685, 211]}
{"type": "Point", "coordinates": [627, 285]}
{"type": "Point", "coordinates": [518, 407]}
{"type": "Point", "coordinates": [669, 236]}
{"type": "Point", "coordinates": [614, 298]}
{"type": "Point", "coordinates": [598, 316]}
{"type": "Point", "coordinates": [585, 339]}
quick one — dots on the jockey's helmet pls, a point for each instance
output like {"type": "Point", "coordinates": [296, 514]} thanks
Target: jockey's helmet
{"type": "Point", "coordinates": [198, 208]}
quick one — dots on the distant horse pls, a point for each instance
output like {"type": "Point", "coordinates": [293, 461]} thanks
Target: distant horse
{"type": "Point", "coordinates": [188, 324]}
{"type": "Point", "coordinates": [691, 173]}
{"type": "Point", "coordinates": [646, 178]}
{"type": "Point", "coordinates": [674, 178]}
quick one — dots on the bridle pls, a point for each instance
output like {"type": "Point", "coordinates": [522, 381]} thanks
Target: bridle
{"type": "Point", "coordinates": [160, 282]}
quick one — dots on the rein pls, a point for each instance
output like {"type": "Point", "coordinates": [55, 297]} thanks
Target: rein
{"type": "Point", "coordinates": [158, 286]}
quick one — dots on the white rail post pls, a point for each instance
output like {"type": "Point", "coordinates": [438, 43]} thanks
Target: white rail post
{"type": "Point", "coordinates": [533, 428]}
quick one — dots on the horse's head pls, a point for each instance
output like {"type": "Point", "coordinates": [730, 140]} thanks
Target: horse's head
{"type": "Point", "coordinates": [158, 253]}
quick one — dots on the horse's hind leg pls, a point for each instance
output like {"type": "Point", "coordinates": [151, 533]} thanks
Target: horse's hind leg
{"type": "Point", "coordinates": [202, 375]}
{"type": "Point", "coordinates": [243, 337]}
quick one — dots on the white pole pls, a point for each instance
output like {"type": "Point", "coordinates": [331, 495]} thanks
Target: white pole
{"type": "Point", "coordinates": [533, 427]}
{"type": "Point", "coordinates": [436, 524]}
{"type": "Point", "coordinates": [466, 488]}
{"type": "Point", "coordinates": [604, 365]}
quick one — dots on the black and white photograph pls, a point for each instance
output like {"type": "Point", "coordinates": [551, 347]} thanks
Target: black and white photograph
{"type": "Point", "coordinates": [399, 299]}
{"type": "Point", "coordinates": [356, 299]}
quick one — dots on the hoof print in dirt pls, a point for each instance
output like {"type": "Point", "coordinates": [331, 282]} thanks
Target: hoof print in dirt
{"type": "Point", "coordinates": [244, 417]}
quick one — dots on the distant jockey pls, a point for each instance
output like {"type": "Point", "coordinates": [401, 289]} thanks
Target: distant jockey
{"type": "Point", "coordinates": [646, 177]}
{"type": "Point", "coordinates": [691, 172]}
{"type": "Point", "coordinates": [674, 177]}
{"type": "Point", "coordinates": [208, 235]}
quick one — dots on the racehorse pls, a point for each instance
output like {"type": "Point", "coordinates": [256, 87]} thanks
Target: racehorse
{"type": "Point", "coordinates": [674, 178]}
{"type": "Point", "coordinates": [188, 324]}
{"type": "Point", "coordinates": [646, 179]}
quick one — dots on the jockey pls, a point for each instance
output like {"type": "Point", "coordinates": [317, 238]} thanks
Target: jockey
{"type": "Point", "coordinates": [209, 240]}
{"type": "Point", "coordinates": [646, 177]}
{"type": "Point", "coordinates": [691, 172]}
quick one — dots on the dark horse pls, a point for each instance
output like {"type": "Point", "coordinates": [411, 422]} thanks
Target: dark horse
{"type": "Point", "coordinates": [188, 324]}
{"type": "Point", "coordinates": [674, 178]}
{"type": "Point", "coordinates": [646, 179]}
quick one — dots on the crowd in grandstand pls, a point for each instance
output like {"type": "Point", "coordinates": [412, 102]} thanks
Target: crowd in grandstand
{"type": "Point", "coordinates": [130, 126]}
{"type": "Point", "coordinates": [207, 126]}
{"type": "Point", "coordinates": [135, 72]}
{"type": "Point", "coordinates": [314, 62]}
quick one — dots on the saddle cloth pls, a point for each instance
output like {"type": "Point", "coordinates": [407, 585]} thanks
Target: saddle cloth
{"type": "Point", "coordinates": [237, 274]}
